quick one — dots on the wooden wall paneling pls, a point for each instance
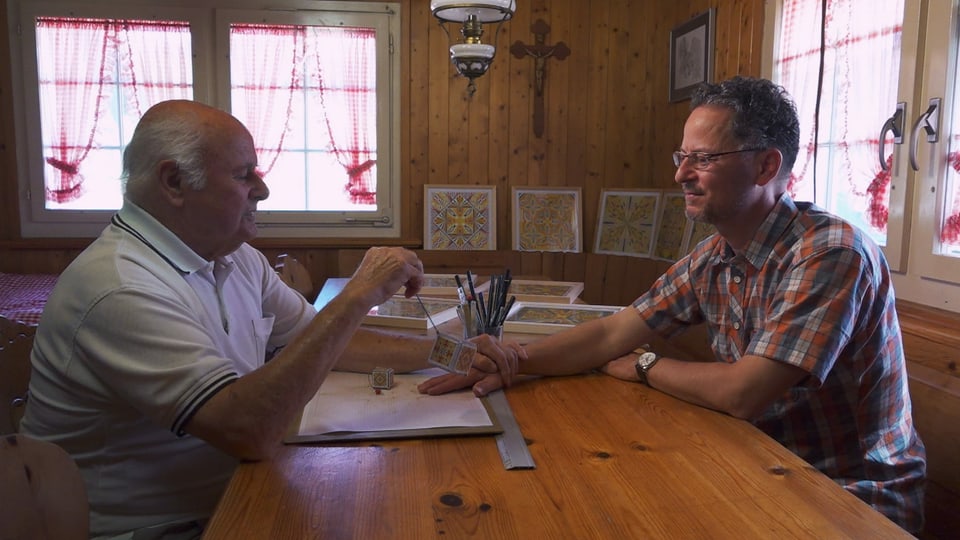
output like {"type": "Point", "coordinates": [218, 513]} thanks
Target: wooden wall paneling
{"type": "Point", "coordinates": [531, 264]}
{"type": "Point", "coordinates": [519, 120]}
{"type": "Point", "coordinates": [574, 267]}
{"type": "Point", "coordinates": [476, 126]}
{"type": "Point", "coordinates": [597, 79]}
{"type": "Point", "coordinates": [573, 131]}
{"type": "Point", "coordinates": [556, 97]}
{"type": "Point", "coordinates": [458, 129]}
{"type": "Point", "coordinates": [552, 265]}
{"type": "Point", "coordinates": [415, 169]}
{"type": "Point", "coordinates": [439, 73]}
{"type": "Point", "coordinates": [593, 278]}
{"type": "Point", "coordinates": [498, 138]}
{"type": "Point", "coordinates": [618, 95]}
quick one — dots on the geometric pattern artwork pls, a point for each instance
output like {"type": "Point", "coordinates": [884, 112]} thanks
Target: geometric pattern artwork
{"type": "Point", "coordinates": [401, 312]}
{"type": "Point", "coordinates": [546, 318]}
{"type": "Point", "coordinates": [672, 227]}
{"type": "Point", "coordinates": [547, 219]}
{"type": "Point", "coordinates": [627, 222]}
{"type": "Point", "coordinates": [460, 218]}
{"type": "Point", "coordinates": [698, 232]}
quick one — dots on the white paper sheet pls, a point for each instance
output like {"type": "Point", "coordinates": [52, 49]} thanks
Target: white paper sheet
{"type": "Point", "coordinates": [346, 402]}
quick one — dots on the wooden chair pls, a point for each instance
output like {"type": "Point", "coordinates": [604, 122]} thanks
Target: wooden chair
{"type": "Point", "coordinates": [42, 491]}
{"type": "Point", "coordinates": [16, 341]}
{"type": "Point", "coordinates": [294, 274]}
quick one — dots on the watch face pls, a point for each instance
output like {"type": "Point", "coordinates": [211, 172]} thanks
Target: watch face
{"type": "Point", "coordinates": [646, 359]}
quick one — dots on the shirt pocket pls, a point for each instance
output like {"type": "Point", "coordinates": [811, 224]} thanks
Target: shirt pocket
{"type": "Point", "coordinates": [262, 329]}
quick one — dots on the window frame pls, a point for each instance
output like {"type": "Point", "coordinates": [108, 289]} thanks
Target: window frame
{"type": "Point", "coordinates": [919, 274]}
{"type": "Point", "coordinates": [209, 20]}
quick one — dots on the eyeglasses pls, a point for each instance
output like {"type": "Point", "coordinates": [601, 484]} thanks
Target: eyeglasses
{"type": "Point", "coordinates": [702, 160]}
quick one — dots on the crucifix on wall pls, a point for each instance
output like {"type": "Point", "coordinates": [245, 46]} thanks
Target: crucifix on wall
{"type": "Point", "coordinates": [540, 52]}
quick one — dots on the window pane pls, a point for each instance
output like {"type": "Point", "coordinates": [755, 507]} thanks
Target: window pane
{"type": "Point", "coordinates": [860, 68]}
{"type": "Point", "coordinates": [308, 96]}
{"type": "Point", "coordinates": [96, 78]}
{"type": "Point", "coordinates": [949, 217]}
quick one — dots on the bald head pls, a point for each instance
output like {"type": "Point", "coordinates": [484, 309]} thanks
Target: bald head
{"type": "Point", "coordinates": [177, 130]}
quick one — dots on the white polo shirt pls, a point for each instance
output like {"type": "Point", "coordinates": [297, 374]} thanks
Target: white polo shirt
{"type": "Point", "coordinates": [138, 333]}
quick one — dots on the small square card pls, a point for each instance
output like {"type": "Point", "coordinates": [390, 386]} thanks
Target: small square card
{"type": "Point", "coordinates": [452, 354]}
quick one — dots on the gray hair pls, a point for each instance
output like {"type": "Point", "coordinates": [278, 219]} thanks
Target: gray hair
{"type": "Point", "coordinates": [764, 114]}
{"type": "Point", "coordinates": [175, 137]}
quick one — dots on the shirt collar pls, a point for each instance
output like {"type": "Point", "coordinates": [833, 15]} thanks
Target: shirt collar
{"type": "Point", "coordinates": [136, 221]}
{"type": "Point", "coordinates": [770, 230]}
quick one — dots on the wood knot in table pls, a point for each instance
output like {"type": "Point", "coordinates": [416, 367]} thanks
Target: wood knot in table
{"type": "Point", "coordinates": [779, 470]}
{"type": "Point", "coordinates": [451, 499]}
{"type": "Point", "coordinates": [640, 447]}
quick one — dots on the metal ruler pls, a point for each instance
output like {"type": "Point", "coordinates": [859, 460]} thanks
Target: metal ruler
{"type": "Point", "coordinates": [511, 444]}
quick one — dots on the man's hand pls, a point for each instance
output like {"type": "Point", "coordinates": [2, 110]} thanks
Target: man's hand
{"type": "Point", "coordinates": [384, 270]}
{"type": "Point", "coordinates": [624, 367]}
{"type": "Point", "coordinates": [494, 367]}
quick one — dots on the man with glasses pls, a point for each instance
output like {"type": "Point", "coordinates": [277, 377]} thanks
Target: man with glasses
{"type": "Point", "coordinates": [798, 303]}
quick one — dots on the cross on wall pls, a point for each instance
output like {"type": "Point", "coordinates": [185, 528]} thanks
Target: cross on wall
{"type": "Point", "coordinates": [540, 52]}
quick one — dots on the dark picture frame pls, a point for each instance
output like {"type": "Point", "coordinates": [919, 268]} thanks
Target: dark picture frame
{"type": "Point", "coordinates": [691, 54]}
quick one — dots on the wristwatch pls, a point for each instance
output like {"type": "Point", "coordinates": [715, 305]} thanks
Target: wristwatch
{"type": "Point", "coordinates": [645, 363]}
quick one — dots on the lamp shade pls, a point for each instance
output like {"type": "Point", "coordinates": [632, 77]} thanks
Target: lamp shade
{"type": "Point", "coordinates": [486, 11]}
{"type": "Point", "coordinates": [472, 50]}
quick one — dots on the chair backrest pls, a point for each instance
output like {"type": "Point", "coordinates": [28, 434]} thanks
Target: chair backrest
{"type": "Point", "coordinates": [16, 341]}
{"type": "Point", "coordinates": [294, 274]}
{"type": "Point", "coordinates": [42, 491]}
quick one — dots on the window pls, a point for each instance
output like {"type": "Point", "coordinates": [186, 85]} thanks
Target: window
{"type": "Point", "coordinates": [95, 80]}
{"type": "Point", "coordinates": [850, 77]}
{"type": "Point", "coordinates": [317, 88]}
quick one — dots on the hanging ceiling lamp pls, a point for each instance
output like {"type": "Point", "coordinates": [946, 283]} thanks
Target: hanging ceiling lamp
{"type": "Point", "coordinates": [471, 57]}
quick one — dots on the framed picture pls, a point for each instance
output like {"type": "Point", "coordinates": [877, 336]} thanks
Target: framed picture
{"type": "Point", "coordinates": [627, 222]}
{"type": "Point", "coordinates": [445, 285]}
{"type": "Point", "coordinates": [400, 312]}
{"type": "Point", "coordinates": [671, 227]}
{"type": "Point", "coordinates": [691, 55]}
{"type": "Point", "coordinates": [460, 217]}
{"type": "Point", "coordinates": [547, 219]}
{"type": "Point", "coordinates": [552, 292]}
{"type": "Point", "coordinates": [697, 231]}
{"type": "Point", "coordinates": [546, 318]}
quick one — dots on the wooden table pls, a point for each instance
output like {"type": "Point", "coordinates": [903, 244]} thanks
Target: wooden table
{"type": "Point", "coordinates": [614, 460]}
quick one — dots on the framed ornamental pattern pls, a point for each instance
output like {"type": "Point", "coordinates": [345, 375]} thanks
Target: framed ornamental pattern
{"type": "Point", "coordinates": [671, 227]}
{"type": "Point", "coordinates": [628, 222]}
{"type": "Point", "coordinates": [460, 217]}
{"type": "Point", "coordinates": [547, 219]}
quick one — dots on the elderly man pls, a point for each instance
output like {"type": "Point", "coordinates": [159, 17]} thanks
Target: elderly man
{"type": "Point", "coordinates": [798, 303]}
{"type": "Point", "coordinates": [148, 364]}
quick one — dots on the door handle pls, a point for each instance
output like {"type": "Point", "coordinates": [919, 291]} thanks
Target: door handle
{"type": "Point", "coordinates": [930, 122]}
{"type": "Point", "coordinates": [895, 125]}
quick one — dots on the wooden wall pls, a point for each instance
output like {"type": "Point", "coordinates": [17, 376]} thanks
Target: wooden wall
{"type": "Point", "coordinates": [608, 124]}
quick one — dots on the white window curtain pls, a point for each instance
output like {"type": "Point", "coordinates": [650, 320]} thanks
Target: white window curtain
{"type": "Point", "coordinates": [853, 48]}
{"type": "Point", "coordinates": [267, 72]}
{"type": "Point", "coordinates": [77, 64]}
{"type": "Point", "coordinates": [71, 56]}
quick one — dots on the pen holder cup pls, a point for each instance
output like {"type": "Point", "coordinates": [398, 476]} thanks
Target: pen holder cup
{"type": "Point", "coordinates": [492, 331]}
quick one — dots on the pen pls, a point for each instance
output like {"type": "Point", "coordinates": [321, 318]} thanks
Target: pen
{"type": "Point", "coordinates": [473, 292]}
{"type": "Point", "coordinates": [460, 293]}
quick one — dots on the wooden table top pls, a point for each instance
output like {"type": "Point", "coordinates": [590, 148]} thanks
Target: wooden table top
{"type": "Point", "coordinates": [614, 460]}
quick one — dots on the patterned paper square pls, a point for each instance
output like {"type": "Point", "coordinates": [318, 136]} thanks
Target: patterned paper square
{"type": "Point", "coordinates": [627, 222]}
{"type": "Point", "coordinates": [460, 217]}
{"type": "Point", "coordinates": [672, 227]}
{"type": "Point", "coordinates": [547, 219]}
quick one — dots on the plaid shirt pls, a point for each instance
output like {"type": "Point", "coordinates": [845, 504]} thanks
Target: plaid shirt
{"type": "Point", "coordinates": [812, 291]}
